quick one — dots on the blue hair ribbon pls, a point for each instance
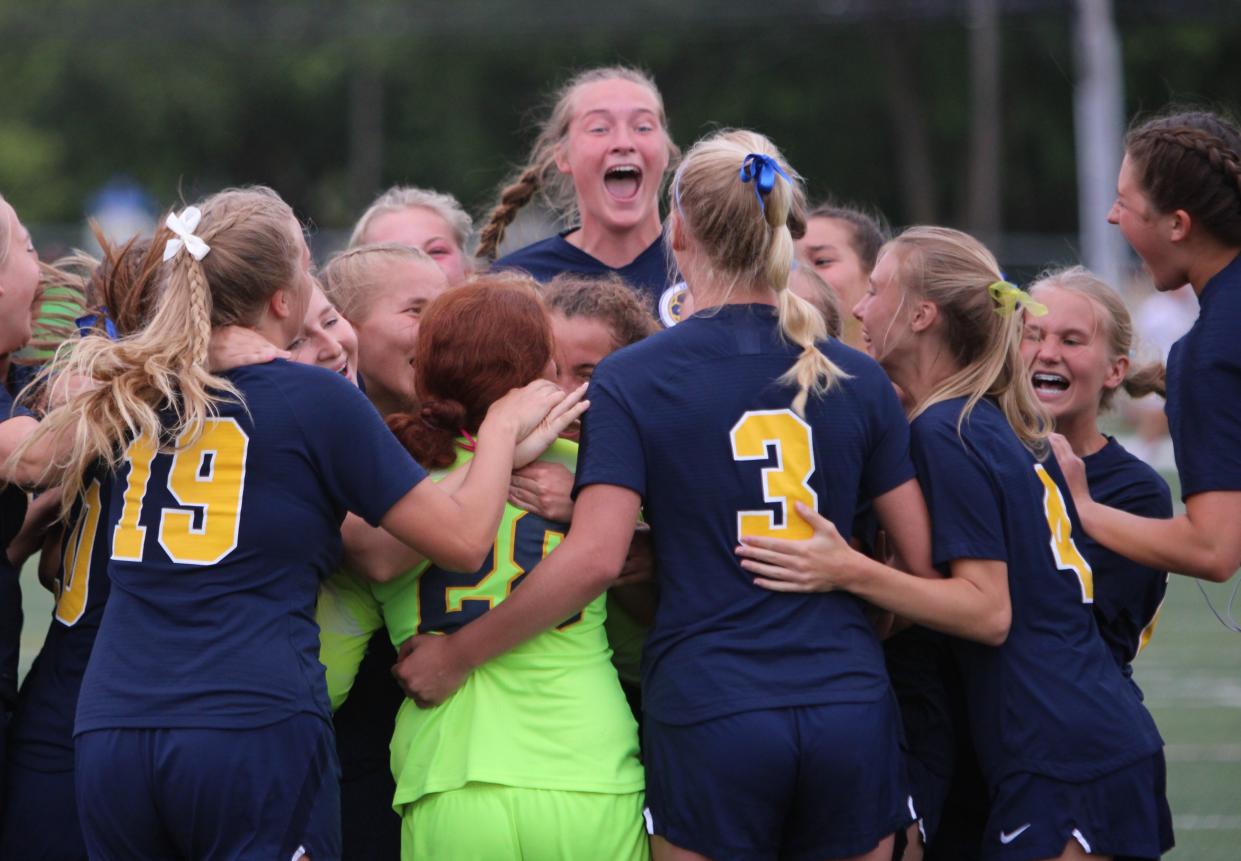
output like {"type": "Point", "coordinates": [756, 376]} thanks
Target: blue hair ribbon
{"type": "Point", "coordinates": [762, 170]}
{"type": "Point", "coordinates": [89, 324]}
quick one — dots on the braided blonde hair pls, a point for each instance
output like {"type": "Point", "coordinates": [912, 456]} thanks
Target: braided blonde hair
{"type": "Point", "coordinates": [540, 176]}
{"type": "Point", "coordinates": [255, 250]}
{"type": "Point", "coordinates": [743, 243]}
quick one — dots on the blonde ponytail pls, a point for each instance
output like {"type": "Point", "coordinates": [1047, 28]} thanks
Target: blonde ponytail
{"type": "Point", "coordinates": [744, 234]}
{"type": "Point", "coordinates": [955, 271]}
{"type": "Point", "coordinates": [163, 369]}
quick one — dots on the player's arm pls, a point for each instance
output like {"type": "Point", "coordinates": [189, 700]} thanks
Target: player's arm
{"type": "Point", "coordinates": [378, 555]}
{"type": "Point", "coordinates": [1204, 542]}
{"type": "Point", "coordinates": [40, 515]}
{"type": "Point", "coordinates": [905, 520]}
{"type": "Point", "coordinates": [431, 668]}
{"type": "Point", "coordinates": [456, 530]}
{"type": "Point", "coordinates": [973, 603]}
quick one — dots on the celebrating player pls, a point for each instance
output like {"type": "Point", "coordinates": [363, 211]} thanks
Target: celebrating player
{"type": "Point", "coordinates": [430, 221]}
{"type": "Point", "coordinates": [599, 162]}
{"type": "Point", "coordinates": [1178, 203]}
{"type": "Point", "coordinates": [1079, 357]}
{"type": "Point", "coordinates": [769, 724]}
{"type": "Point", "coordinates": [225, 494]}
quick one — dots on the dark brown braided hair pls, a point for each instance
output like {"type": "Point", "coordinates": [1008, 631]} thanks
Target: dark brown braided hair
{"type": "Point", "coordinates": [1192, 161]}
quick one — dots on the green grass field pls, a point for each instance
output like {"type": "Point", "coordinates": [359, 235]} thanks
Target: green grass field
{"type": "Point", "coordinates": [1191, 674]}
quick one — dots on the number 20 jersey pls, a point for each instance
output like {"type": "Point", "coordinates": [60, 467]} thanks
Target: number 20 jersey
{"type": "Point", "coordinates": [217, 551]}
{"type": "Point", "coordinates": [694, 420]}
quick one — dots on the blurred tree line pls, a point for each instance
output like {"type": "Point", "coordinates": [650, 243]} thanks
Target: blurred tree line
{"type": "Point", "coordinates": [329, 102]}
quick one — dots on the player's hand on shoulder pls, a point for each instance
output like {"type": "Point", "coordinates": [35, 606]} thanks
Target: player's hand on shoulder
{"type": "Point", "coordinates": [235, 346]}
{"type": "Point", "coordinates": [1072, 466]}
{"type": "Point", "coordinates": [428, 671]}
{"type": "Point", "coordinates": [554, 421]}
{"type": "Point", "coordinates": [816, 564]}
{"type": "Point", "coordinates": [544, 489]}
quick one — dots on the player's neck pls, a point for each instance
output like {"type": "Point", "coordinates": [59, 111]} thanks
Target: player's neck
{"type": "Point", "coordinates": [920, 371]}
{"type": "Point", "coordinates": [1206, 260]}
{"type": "Point", "coordinates": [614, 248]}
{"type": "Point", "coordinates": [1082, 432]}
{"type": "Point", "coordinates": [708, 295]}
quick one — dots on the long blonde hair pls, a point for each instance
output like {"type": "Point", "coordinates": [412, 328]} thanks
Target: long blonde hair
{"type": "Point", "coordinates": [1140, 380]}
{"type": "Point", "coordinates": [540, 176]}
{"type": "Point", "coordinates": [955, 271]}
{"type": "Point", "coordinates": [352, 280]}
{"type": "Point", "coordinates": [161, 370]}
{"type": "Point", "coordinates": [745, 242]}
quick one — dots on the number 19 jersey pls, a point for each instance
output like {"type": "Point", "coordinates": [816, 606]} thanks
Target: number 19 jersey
{"type": "Point", "coordinates": [695, 421]}
{"type": "Point", "coordinates": [217, 550]}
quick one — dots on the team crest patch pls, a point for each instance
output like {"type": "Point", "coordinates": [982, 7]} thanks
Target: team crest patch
{"type": "Point", "coordinates": [672, 304]}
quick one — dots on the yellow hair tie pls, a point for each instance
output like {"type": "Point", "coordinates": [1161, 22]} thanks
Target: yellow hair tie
{"type": "Point", "coordinates": [1009, 296]}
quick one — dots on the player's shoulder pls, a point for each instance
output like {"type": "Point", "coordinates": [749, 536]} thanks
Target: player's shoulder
{"type": "Point", "coordinates": [541, 260]}
{"type": "Point", "coordinates": [294, 383]}
{"type": "Point", "coordinates": [1115, 473]}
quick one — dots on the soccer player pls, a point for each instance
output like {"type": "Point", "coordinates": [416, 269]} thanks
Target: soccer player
{"type": "Point", "coordinates": [225, 494]}
{"type": "Point", "coordinates": [1079, 355]}
{"type": "Point", "coordinates": [769, 726]}
{"type": "Point", "coordinates": [1072, 760]}
{"type": "Point", "coordinates": [19, 280]}
{"type": "Point", "coordinates": [841, 244]}
{"type": "Point", "coordinates": [600, 161]}
{"type": "Point", "coordinates": [1178, 203]}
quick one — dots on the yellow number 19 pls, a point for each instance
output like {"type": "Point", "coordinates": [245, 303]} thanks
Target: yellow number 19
{"type": "Point", "coordinates": [787, 433]}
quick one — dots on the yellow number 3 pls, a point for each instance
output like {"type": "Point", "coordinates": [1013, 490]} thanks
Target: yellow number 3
{"type": "Point", "coordinates": [209, 476]}
{"type": "Point", "coordinates": [784, 483]}
{"type": "Point", "coordinates": [1068, 557]}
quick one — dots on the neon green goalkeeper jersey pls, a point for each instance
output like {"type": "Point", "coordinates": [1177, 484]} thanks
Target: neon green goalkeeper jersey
{"type": "Point", "coordinates": [549, 714]}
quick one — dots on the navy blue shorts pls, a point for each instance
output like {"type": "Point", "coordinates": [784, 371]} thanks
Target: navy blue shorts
{"type": "Point", "coordinates": [210, 794]}
{"type": "Point", "coordinates": [812, 782]}
{"type": "Point", "coordinates": [1124, 814]}
{"type": "Point", "coordinates": [41, 817]}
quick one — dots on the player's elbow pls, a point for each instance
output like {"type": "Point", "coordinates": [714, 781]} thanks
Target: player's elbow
{"type": "Point", "coordinates": [994, 625]}
{"type": "Point", "coordinates": [1218, 571]}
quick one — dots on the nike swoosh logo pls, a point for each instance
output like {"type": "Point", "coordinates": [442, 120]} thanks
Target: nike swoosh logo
{"type": "Point", "coordinates": [1010, 836]}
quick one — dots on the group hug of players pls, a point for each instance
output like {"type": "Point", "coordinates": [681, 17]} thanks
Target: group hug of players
{"type": "Point", "coordinates": [844, 537]}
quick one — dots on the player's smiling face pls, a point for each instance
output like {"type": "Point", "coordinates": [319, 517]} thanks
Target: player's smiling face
{"type": "Point", "coordinates": [1068, 354]}
{"type": "Point", "coordinates": [327, 339]}
{"type": "Point", "coordinates": [881, 310]}
{"type": "Point", "coordinates": [425, 230]}
{"type": "Point", "coordinates": [388, 334]}
{"type": "Point", "coordinates": [616, 152]}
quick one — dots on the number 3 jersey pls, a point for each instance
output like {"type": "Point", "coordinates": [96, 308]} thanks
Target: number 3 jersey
{"type": "Point", "coordinates": [1050, 700]}
{"type": "Point", "coordinates": [694, 420]}
{"type": "Point", "coordinates": [549, 714]}
{"type": "Point", "coordinates": [218, 548]}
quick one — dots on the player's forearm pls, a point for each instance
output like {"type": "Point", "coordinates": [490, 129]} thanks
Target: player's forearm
{"type": "Point", "coordinates": [483, 491]}
{"type": "Point", "coordinates": [954, 606]}
{"type": "Point", "coordinates": [1173, 544]}
{"type": "Point", "coordinates": [561, 585]}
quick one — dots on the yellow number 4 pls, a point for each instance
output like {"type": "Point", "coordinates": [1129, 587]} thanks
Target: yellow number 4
{"type": "Point", "coordinates": [752, 437]}
{"type": "Point", "coordinates": [1068, 557]}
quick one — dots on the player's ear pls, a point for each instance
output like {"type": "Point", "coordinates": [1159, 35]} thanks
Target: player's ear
{"type": "Point", "coordinates": [924, 316]}
{"type": "Point", "coordinates": [678, 232]}
{"type": "Point", "coordinates": [1179, 225]}
{"type": "Point", "coordinates": [281, 304]}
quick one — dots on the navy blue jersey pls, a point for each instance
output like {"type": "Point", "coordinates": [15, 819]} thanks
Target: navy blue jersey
{"type": "Point", "coordinates": [1126, 595]}
{"type": "Point", "coordinates": [649, 273]}
{"type": "Point", "coordinates": [12, 498]}
{"type": "Point", "coordinates": [43, 725]}
{"type": "Point", "coordinates": [1204, 390]}
{"type": "Point", "coordinates": [694, 420]}
{"type": "Point", "coordinates": [217, 553]}
{"type": "Point", "coordinates": [1051, 700]}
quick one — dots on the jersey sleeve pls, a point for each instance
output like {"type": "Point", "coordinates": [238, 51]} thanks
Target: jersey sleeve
{"type": "Point", "coordinates": [348, 615]}
{"type": "Point", "coordinates": [965, 505]}
{"type": "Point", "coordinates": [611, 449]}
{"type": "Point", "coordinates": [888, 464]}
{"type": "Point", "coordinates": [1208, 457]}
{"type": "Point", "coordinates": [358, 459]}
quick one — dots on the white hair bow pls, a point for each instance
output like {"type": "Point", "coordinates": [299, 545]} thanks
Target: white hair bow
{"type": "Point", "coordinates": [183, 226]}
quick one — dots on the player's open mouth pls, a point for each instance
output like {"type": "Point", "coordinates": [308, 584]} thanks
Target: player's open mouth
{"type": "Point", "coordinates": [1049, 386]}
{"type": "Point", "coordinates": [623, 182]}
{"type": "Point", "coordinates": [343, 370]}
